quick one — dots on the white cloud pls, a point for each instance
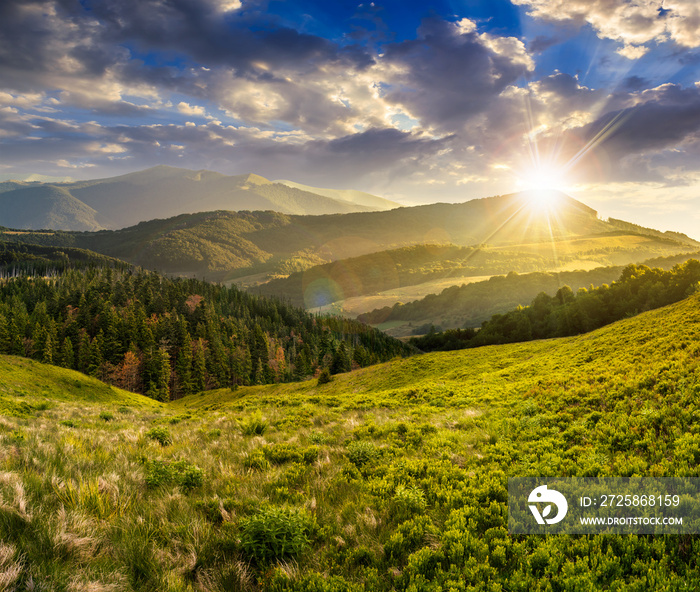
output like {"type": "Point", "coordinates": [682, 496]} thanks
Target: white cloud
{"type": "Point", "coordinates": [187, 109]}
{"type": "Point", "coordinates": [632, 23]}
{"type": "Point", "coordinates": [632, 52]}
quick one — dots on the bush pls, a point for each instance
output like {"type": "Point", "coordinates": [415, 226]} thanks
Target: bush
{"type": "Point", "coordinates": [256, 461]}
{"type": "Point", "coordinates": [408, 537]}
{"type": "Point", "coordinates": [160, 473]}
{"type": "Point", "coordinates": [325, 377]}
{"type": "Point", "coordinates": [408, 501]}
{"type": "Point", "coordinates": [255, 426]}
{"type": "Point", "coordinates": [160, 435]}
{"type": "Point", "coordinates": [361, 453]}
{"type": "Point", "coordinates": [107, 416]}
{"type": "Point", "coordinates": [275, 533]}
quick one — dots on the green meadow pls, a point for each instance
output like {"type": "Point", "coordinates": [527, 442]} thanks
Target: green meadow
{"type": "Point", "coordinates": [391, 477]}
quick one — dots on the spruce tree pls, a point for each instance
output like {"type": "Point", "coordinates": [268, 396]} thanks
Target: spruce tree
{"type": "Point", "coordinates": [67, 357]}
{"type": "Point", "coordinates": [5, 343]}
{"type": "Point", "coordinates": [199, 367]}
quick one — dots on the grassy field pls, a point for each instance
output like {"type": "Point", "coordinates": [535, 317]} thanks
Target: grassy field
{"type": "Point", "coordinates": [392, 477]}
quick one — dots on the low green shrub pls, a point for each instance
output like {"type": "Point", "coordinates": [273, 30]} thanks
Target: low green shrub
{"type": "Point", "coordinates": [160, 473]}
{"type": "Point", "coordinates": [275, 533]}
{"type": "Point", "coordinates": [255, 426]}
{"type": "Point", "coordinates": [160, 435]}
{"type": "Point", "coordinates": [325, 377]}
{"type": "Point", "coordinates": [408, 500]}
{"type": "Point", "coordinates": [361, 452]}
{"type": "Point", "coordinates": [256, 461]}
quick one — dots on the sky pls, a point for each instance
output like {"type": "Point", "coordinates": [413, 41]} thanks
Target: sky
{"type": "Point", "coordinates": [419, 102]}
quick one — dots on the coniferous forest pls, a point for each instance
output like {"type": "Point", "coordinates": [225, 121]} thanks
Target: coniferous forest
{"type": "Point", "coordinates": [168, 338]}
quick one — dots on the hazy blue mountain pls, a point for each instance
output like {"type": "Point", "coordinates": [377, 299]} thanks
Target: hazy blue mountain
{"type": "Point", "coordinates": [352, 196]}
{"type": "Point", "coordinates": [164, 192]}
{"type": "Point", "coordinates": [35, 206]}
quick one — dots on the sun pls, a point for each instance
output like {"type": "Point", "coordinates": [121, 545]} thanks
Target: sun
{"type": "Point", "coordinates": [543, 185]}
{"type": "Point", "coordinates": [544, 178]}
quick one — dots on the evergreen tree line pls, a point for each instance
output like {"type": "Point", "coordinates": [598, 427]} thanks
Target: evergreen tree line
{"type": "Point", "coordinates": [168, 338]}
{"type": "Point", "coordinates": [20, 259]}
{"type": "Point", "coordinates": [639, 288]}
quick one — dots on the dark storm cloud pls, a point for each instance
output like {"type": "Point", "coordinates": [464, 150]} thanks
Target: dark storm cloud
{"type": "Point", "coordinates": [197, 30]}
{"type": "Point", "coordinates": [375, 149]}
{"type": "Point", "coordinates": [36, 38]}
{"type": "Point", "coordinates": [633, 83]}
{"type": "Point", "coordinates": [341, 161]}
{"type": "Point", "coordinates": [448, 75]}
{"type": "Point", "coordinates": [666, 117]}
{"type": "Point", "coordinates": [564, 85]}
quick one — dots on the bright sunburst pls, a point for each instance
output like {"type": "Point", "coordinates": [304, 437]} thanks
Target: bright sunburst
{"type": "Point", "coordinates": [542, 185]}
{"type": "Point", "coordinates": [543, 198]}
{"type": "Point", "coordinates": [543, 178]}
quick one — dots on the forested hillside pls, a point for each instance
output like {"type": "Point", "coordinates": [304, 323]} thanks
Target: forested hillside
{"type": "Point", "coordinates": [385, 270]}
{"type": "Point", "coordinates": [222, 245]}
{"type": "Point", "coordinates": [469, 305]}
{"type": "Point", "coordinates": [168, 338]}
{"type": "Point", "coordinates": [24, 258]}
{"type": "Point", "coordinates": [638, 289]}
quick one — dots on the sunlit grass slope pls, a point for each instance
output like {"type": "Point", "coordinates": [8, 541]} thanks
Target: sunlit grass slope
{"type": "Point", "coordinates": [642, 347]}
{"type": "Point", "coordinates": [389, 478]}
{"type": "Point", "coordinates": [27, 385]}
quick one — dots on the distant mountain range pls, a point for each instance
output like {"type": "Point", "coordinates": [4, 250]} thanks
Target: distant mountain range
{"type": "Point", "coordinates": [223, 245]}
{"type": "Point", "coordinates": [164, 192]}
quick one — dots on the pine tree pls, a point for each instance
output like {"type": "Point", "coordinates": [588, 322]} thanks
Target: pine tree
{"type": "Point", "coordinates": [47, 355]}
{"type": "Point", "coordinates": [259, 376]}
{"type": "Point", "coordinates": [38, 340]}
{"type": "Point", "coordinates": [5, 342]}
{"type": "Point", "coordinates": [341, 360]}
{"type": "Point", "coordinates": [162, 376]}
{"type": "Point", "coordinates": [183, 365]}
{"type": "Point", "coordinates": [16, 339]}
{"type": "Point", "coordinates": [95, 357]}
{"type": "Point", "coordinates": [83, 352]}
{"type": "Point", "coordinates": [67, 358]}
{"type": "Point", "coordinates": [199, 367]}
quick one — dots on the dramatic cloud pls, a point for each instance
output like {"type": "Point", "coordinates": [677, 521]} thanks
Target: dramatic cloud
{"type": "Point", "coordinates": [632, 23]}
{"type": "Point", "coordinates": [451, 73]}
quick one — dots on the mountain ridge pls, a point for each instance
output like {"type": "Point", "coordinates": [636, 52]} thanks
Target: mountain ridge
{"type": "Point", "coordinates": [221, 245]}
{"type": "Point", "coordinates": [162, 192]}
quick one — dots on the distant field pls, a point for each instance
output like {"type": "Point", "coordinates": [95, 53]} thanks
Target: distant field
{"type": "Point", "coordinates": [601, 246]}
{"type": "Point", "coordinates": [352, 307]}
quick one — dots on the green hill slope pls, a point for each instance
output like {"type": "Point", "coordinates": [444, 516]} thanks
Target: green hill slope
{"type": "Point", "coordinates": [392, 478]}
{"type": "Point", "coordinates": [372, 274]}
{"type": "Point", "coordinates": [28, 386]}
{"type": "Point", "coordinates": [632, 352]}
{"type": "Point", "coordinates": [468, 305]}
